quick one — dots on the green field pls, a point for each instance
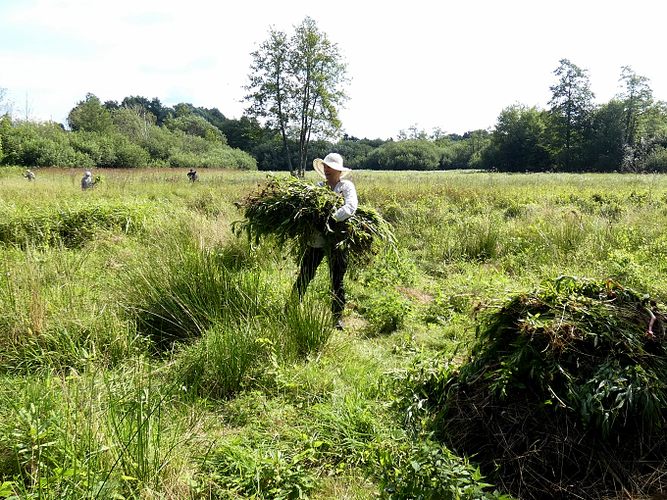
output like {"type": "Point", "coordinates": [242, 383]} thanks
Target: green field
{"type": "Point", "coordinates": [146, 351]}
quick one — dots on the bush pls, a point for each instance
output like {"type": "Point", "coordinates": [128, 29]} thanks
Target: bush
{"type": "Point", "coordinates": [657, 160]}
{"type": "Point", "coordinates": [258, 473]}
{"type": "Point", "coordinates": [404, 155]}
{"type": "Point", "coordinates": [212, 156]}
{"type": "Point", "coordinates": [44, 145]}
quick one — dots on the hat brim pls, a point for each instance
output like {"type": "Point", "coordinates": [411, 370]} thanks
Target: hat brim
{"type": "Point", "coordinates": [318, 166]}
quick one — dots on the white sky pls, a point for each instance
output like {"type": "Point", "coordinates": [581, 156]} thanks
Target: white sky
{"type": "Point", "coordinates": [448, 64]}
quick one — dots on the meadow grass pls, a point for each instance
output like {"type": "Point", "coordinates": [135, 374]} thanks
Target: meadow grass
{"type": "Point", "coordinates": [147, 352]}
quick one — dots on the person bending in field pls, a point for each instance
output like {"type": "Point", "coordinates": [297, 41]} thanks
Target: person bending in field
{"type": "Point", "coordinates": [192, 175]}
{"type": "Point", "coordinates": [87, 182]}
{"type": "Point", "coordinates": [30, 175]}
{"type": "Point", "coordinates": [332, 170]}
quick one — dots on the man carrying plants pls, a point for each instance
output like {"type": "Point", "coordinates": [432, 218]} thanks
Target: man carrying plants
{"type": "Point", "coordinates": [317, 221]}
{"type": "Point", "coordinates": [333, 171]}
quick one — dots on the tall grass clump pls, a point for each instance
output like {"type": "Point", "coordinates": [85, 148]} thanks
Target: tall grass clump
{"type": "Point", "coordinates": [95, 435]}
{"type": "Point", "coordinates": [69, 224]}
{"type": "Point", "coordinates": [225, 324]}
{"type": "Point", "coordinates": [219, 364]}
{"type": "Point", "coordinates": [50, 445]}
{"type": "Point", "coordinates": [235, 351]}
{"type": "Point", "coordinates": [136, 422]}
{"type": "Point", "coordinates": [180, 294]}
{"type": "Point", "coordinates": [56, 311]}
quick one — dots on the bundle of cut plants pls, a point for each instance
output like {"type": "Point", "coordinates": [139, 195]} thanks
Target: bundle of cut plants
{"type": "Point", "coordinates": [292, 210]}
{"type": "Point", "coordinates": [565, 393]}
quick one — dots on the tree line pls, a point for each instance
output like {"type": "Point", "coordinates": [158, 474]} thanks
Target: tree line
{"type": "Point", "coordinates": [126, 135]}
{"type": "Point", "coordinates": [289, 121]}
{"type": "Point", "coordinates": [626, 134]}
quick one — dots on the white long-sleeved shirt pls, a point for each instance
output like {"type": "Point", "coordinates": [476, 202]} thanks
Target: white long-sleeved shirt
{"type": "Point", "coordinates": [345, 188]}
{"type": "Point", "coordinates": [350, 202]}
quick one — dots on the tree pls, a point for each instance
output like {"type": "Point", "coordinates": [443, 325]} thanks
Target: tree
{"type": "Point", "coordinates": [413, 133]}
{"type": "Point", "coordinates": [637, 99]}
{"type": "Point", "coordinates": [153, 106]}
{"type": "Point", "coordinates": [187, 121]}
{"type": "Point", "coordinates": [571, 107]}
{"type": "Point", "coordinates": [90, 116]}
{"type": "Point", "coordinates": [6, 105]}
{"type": "Point", "coordinates": [604, 148]}
{"type": "Point", "coordinates": [517, 143]}
{"type": "Point", "coordinates": [133, 122]}
{"type": "Point", "coordinates": [269, 86]}
{"type": "Point", "coordinates": [245, 133]}
{"type": "Point", "coordinates": [296, 84]}
{"type": "Point", "coordinates": [410, 154]}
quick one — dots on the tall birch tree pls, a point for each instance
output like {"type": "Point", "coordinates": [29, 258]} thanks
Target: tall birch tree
{"type": "Point", "coordinates": [297, 85]}
{"type": "Point", "coordinates": [571, 107]}
{"type": "Point", "coordinates": [637, 98]}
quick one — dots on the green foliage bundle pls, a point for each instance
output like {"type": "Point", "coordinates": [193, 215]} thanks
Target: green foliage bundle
{"type": "Point", "coordinates": [292, 211]}
{"type": "Point", "coordinates": [564, 395]}
{"type": "Point", "coordinates": [592, 347]}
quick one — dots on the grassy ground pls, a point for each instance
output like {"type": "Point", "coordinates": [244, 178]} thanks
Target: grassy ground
{"type": "Point", "coordinates": [147, 352]}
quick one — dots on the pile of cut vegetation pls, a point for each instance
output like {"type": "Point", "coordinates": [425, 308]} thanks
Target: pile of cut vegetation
{"type": "Point", "coordinates": [565, 394]}
{"type": "Point", "coordinates": [292, 210]}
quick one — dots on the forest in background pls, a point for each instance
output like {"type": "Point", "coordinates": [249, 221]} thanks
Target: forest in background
{"type": "Point", "coordinates": [626, 134]}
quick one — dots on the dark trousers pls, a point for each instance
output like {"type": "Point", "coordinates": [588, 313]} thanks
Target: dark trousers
{"type": "Point", "coordinates": [312, 259]}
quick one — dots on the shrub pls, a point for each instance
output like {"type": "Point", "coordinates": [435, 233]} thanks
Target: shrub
{"type": "Point", "coordinates": [43, 145]}
{"type": "Point", "coordinates": [657, 160]}
{"type": "Point", "coordinates": [427, 470]}
{"type": "Point", "coordinates": [404, 155]}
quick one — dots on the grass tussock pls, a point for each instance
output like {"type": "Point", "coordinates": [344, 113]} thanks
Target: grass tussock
{"type": "Point", "coordinates": [69, 225]}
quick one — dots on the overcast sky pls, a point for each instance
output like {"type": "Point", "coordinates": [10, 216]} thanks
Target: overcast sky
{"type": "Point", "coordinates": [448, 64]}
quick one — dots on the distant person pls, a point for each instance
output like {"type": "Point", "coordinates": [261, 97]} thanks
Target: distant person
{"type": "Point", "coordinates": [192, 175]}
{"type": "Point", "coordinates": [30, 175]}
{"type": "Point", "coordinates": [87, 182]}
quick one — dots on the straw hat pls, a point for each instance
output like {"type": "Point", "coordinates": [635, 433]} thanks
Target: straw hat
{"type": "Point", "coordinates": [332, 160]}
